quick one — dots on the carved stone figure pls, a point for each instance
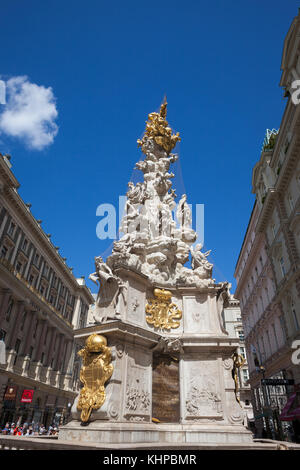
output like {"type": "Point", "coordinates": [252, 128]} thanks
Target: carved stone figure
{"type": "Point", "coordinates": [183, 214]}
{"type": "Point", "coordinates": [169, 345]}
{"type": "Point", "coordinates": [238, 362]}
{"type": "Point", "coordinates": [199, 259]}
{"type": "Point", "coordinates": [111, 292]}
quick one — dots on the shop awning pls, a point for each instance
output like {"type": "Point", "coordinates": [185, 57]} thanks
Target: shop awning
{"type": "Point", "coordinates": [291, 410]}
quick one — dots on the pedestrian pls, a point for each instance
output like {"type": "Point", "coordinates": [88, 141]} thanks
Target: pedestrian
{"type": "Point", "coordinates": [6, 429]}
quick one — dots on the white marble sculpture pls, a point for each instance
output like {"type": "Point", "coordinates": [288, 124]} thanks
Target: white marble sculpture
{"type": "Point", "coordinates": [146, 276]}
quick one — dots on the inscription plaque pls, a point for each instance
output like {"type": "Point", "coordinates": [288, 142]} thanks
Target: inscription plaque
{"type": "Point", "coordinates": [165, 389]}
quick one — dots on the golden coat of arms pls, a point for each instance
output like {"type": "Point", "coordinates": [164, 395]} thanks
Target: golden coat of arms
{"type": "Point", "coordinates": [161, 312]}
{"type": "Point", "coordinates": [96, 370]}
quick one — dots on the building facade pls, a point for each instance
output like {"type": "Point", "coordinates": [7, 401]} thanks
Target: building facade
{"type": "Point", "coordinates": [233, 324]}
{"type": "Point", "coordinates": [41, 304]}
{"type": "Point", "coordinates": [267, 270]}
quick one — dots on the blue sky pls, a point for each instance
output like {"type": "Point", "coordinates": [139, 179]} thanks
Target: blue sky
{"type": "Point", "coordinates": [109, 65]}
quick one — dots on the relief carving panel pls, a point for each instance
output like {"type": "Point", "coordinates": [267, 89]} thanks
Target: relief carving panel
{"type": "Point", "coordinates": [203, 398]}
{"type": "Point", "coordinates": [138, 398]}
{"type": "Point", "coordinates": [196, 314]}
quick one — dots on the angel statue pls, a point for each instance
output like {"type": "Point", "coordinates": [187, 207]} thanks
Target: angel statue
{"type": "Point", "coordinates": [111, 293]}
{"type": "Point", "coordinates": [199, 259]}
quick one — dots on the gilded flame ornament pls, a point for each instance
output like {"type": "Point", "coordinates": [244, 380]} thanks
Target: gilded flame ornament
{"type": "Point", "coordinates": [161, 312]}
{"type": "Point", "coordinates": [157, 128]}
{"type": "Point", "coordinates": [96, 370]}
{"type": "Point", "coordinates": [238, 362]}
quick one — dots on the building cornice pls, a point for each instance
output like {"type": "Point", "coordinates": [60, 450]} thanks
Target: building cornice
{"type": "Point", "coordinates": [7, 175]}
{"type": "Point", "coordinates": [29, 220]}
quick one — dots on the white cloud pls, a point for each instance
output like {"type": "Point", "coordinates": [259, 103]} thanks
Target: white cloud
{"type": "Point", "coordinates": [29, 113]}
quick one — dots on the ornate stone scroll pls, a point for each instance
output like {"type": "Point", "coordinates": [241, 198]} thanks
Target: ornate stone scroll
{"type": "Point", "coordinates": [161, 312]}
{"type": "Point", "coordinates": [96, 370]}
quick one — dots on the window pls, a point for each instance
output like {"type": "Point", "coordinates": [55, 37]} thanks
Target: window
{"type": "Point", "coordinates": [31, 279]}
{"type": "Point", "coordinates": [36, 258]}
{"type": "Point", "coordinates": [2, 334]}
{"type": "Point", "coordinates": [267, 294]}
{"type": "Point", "coordinates": [241, 335]}
{"type": "Point", "coordinates": [291, 202]}
{"type": "Point", "coordinates": [263, 347]}
{"type": "Point", "coordinates": [19, 266]}
{"type": "Point", "coordinates": [42, 289]}
{"type": "Point", "coordinates": [281, 262]}
{"type": "Point", "coordinates": [43, 358]}
{"type": "Point", "coordinates": [282, 324]}
{"type": "Point", "coordinates": [245, 375]}
{"type": "Point", "coordinates": [242, 352]}
{"type": "Point", "coordinates": [31, 352]}
{"type": "Point", "coordinates": [36, 325]}
{"type": "Point", "coordinates": [23, 321]}
{"type": "Point", "coordinates": [269, 342]}
{"type": "Point", "coordinates": [9, 309]}
{"type": "Point", "coordinates": [25, 244]}
{"type": "Point", "coordinates": [17, 347]}
{"type": "Point", "coordinates": [4, 251]}
{"type": "Point", "coordinates": [11, 229]}
{"type": "Point", "coordinates": [295, 316]}
{"type": "Point", "coordinates": [275, 335]}
{"type": "Point", "coordinates": [247, 402]}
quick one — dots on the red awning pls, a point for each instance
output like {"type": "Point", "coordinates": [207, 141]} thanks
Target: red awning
{"type": "Point", "coordinates": [291, 410]}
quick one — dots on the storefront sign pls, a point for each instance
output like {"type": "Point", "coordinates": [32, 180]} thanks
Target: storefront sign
{"type": "Point", "coordinates": [27, 396]}
{"type": "Point", "coordinates": [277, 382]}
{"type": "Point", "coordinates": [10, 393]}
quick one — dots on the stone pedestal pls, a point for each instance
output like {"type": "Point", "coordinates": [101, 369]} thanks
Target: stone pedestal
{"type": "Point", "coordinates": [181, 378]}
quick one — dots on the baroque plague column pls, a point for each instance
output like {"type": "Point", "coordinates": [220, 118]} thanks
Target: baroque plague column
{"type": "Point", "coordinates": [158, 363]}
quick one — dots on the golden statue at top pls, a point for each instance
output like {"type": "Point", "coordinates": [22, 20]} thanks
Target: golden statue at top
{"type": "Point", "coordinates": [96, 370]}
{"type": "Point", "coordinates": [157, 128]}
